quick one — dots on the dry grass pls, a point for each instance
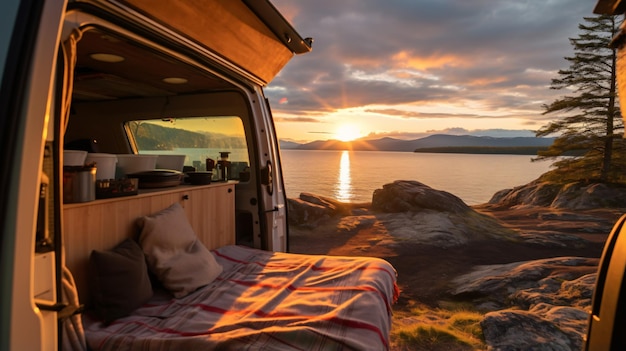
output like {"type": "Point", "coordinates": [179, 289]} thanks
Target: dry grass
{"type": "Point", "coordinates": [451, 327]}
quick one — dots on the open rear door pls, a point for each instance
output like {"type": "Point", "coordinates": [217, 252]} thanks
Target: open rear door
{"type": "Point", "coordinates": [29, 42]}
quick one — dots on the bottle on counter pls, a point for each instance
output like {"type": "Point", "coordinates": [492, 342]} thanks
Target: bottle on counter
{"type": "Point", "coordinates": [223, 166]}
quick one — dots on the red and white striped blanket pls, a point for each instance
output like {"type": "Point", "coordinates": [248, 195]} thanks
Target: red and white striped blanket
{"type": "Point", "coordinates": [266, 301]}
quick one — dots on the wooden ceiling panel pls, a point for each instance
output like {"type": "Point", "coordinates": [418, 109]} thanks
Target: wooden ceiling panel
{"type": "Point", "coordinates": [227, 27]}
{"type": "Point", "coordinates": [139, 74]}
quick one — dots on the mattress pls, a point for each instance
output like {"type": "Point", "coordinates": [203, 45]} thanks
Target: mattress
{"type": "Point", "coordinates": [265, 301]}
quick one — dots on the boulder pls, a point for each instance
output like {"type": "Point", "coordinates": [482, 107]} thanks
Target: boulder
{"type": "Point", "coordinates": [415, 212]}
{"type": "Point", "coordinates": [581, 196]}
{"type": "Point", "coordinates": [534, 305]}
{"type": "Point", "coordinates": [522, 330]}
{"type": "Point", "coordinates": [303, 213]}
{"type": "Point", "coordinates": [530, 282]}
{"type": "Point", "coordinates": [572, 196]}
{"type": "Point", "coordinates": [442, 229]}
{"type": "Point", "coordinates": [407, 195]}
{"type": "Point", "coordinates": [310, 210]}
{"type": "Point", "coordinates": [535, 193]}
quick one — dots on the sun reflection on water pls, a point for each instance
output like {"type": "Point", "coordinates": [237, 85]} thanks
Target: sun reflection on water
{"type": "Point", "coordinates": [344, 181]}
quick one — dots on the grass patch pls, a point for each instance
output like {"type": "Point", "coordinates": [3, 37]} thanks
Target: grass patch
{"type": "Point", "coordinates": [467, 323]}
{"type": "Point", "coordinates": [428, 337]}
{"type": "Point", "coordinates": [452, 328]}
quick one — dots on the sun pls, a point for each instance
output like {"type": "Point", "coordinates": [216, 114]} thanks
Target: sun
{"type": "Point", "coordinates": [347, 132]}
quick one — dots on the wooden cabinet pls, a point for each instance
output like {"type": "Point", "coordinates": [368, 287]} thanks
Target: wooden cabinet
{"type": "Point", "coordinates": [102, 224]}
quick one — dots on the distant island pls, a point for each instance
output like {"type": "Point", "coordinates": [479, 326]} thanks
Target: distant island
{"type": "Point", "coordinates": [503, 150]}
{"type": "Point", "coordinates": [437, 143]}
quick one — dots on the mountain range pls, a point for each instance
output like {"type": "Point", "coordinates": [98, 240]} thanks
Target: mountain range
{"type": "Point", "coordinates": [438, 141]}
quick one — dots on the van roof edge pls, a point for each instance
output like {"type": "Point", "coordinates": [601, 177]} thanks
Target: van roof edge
{"type": "Point", "coordinates": [274, 20]}
{"type": "Point", "coordinates": [610, 7]}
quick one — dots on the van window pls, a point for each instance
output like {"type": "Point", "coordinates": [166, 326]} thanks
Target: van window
{"type": "Point", "coordinates": [198, 138]}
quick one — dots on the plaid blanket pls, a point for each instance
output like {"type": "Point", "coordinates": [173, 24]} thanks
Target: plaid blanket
{"type": "Point", "coordinates": [266, 301]}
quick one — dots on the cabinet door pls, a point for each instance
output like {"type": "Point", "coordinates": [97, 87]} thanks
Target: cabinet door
{"type": "Point", "coordinates": [211, 212]}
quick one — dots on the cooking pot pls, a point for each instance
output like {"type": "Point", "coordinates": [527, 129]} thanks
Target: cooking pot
{"type": "Point", "coordinates": [79, 183]}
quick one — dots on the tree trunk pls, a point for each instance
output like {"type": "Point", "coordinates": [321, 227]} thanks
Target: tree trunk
{"type": "Point", "coordinates": [608, 141]}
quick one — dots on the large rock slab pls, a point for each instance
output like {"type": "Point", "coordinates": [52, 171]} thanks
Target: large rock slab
{"type": "Point", "coordinates": [581, 196]}
{"type": "Point", "coordinates": [309, 210]}
{"type": "Point", "coordinates": [530, 282]}
{"type": "Point", "coordinates": [410, 195]}
{"type": "Point", "coordinates": [302, 213]}
{"type": "Point", "coordinates": [532, 194]}
{"type": "Point", "coordinates": [521, 330]}
{"type": "Point", "coordinates": [534, 305]}
{"type": "Point", "coordinates": [412, 211]}
{"type": "Point", "coordinates": [573, 196]}
{"type": "Point", "coordinates": [443, 229]}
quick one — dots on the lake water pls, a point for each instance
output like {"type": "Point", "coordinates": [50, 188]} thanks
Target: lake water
{"type": "Point", "coordinates": [352, 176]}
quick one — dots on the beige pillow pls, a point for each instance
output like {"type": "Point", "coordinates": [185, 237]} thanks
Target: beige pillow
{"type": "Point", "coordinates": [174, 253]}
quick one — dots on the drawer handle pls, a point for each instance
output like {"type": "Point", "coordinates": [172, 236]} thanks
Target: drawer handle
{"type": "Point", "coordinates": [186, 197]}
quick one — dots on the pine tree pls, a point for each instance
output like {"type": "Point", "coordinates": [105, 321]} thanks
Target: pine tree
{"type": "Point", "coordinates": [589, 128]}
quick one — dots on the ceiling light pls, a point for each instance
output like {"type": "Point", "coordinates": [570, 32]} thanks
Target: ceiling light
{"type": "Point", "coordinates": [175, 80]}
{"type": "Point", "coordinates": [107, 57]}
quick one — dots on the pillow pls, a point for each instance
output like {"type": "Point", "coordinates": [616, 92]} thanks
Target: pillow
{"type": "Point", "coordinates": [174, 253]}
{"type": "Point", "coordinates": [119, 280]}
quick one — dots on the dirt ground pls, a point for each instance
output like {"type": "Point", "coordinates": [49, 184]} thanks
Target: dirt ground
{"type": "Point", "coordinates": [424, 271]}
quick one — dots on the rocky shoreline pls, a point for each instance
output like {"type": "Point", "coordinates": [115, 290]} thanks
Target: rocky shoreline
{"type": "Point", "coordinates": [525, 261]}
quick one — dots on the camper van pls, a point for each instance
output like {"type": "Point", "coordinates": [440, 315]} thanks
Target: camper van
{"type": "Point", "coordinates": [115, 113]}
{"type": "Point", "coordinates": [113, 109]}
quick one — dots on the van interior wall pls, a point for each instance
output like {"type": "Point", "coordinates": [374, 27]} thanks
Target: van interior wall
{"type": "Point", "coordinates": [104, 120]}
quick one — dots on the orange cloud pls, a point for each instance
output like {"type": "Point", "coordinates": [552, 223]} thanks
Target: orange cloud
{"type": "Point", "coordinates": [486, 81]}
{"type": "Point", "coordinates": [406, 59]}
{"type": "Point", "coordinates": [296, 119]}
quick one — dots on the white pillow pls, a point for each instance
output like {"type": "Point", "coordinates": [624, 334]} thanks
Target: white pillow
{"type": "Point", "coordinates": [174, 253]}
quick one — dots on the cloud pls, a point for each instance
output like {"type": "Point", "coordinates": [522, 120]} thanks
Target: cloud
{"type": "Point", "coordinates": [497, 133]}
{"type": "Point", "coordinates": [413, 114]}
{"type": "Point", "coordinates": [500, 55]}
{"type": "Point", "coordinates": [391, 112]}
{"type": "Point", "coordinates": [396, 135]}
{"type": "Point", "coordinates": [296, 119]}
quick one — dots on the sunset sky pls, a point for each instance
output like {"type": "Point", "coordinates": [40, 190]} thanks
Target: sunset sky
{"type": "Point", "coordinates": [405, 68]}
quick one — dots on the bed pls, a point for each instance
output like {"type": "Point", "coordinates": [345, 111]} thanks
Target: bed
{"type": "Point", "coordinates": [166, 291]}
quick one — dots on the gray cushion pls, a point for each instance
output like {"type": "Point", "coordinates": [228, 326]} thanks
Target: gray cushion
{"type": "Point", "coordinates": [174, 254]}
{"type": "Point", "coordinates": [119, 280]}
